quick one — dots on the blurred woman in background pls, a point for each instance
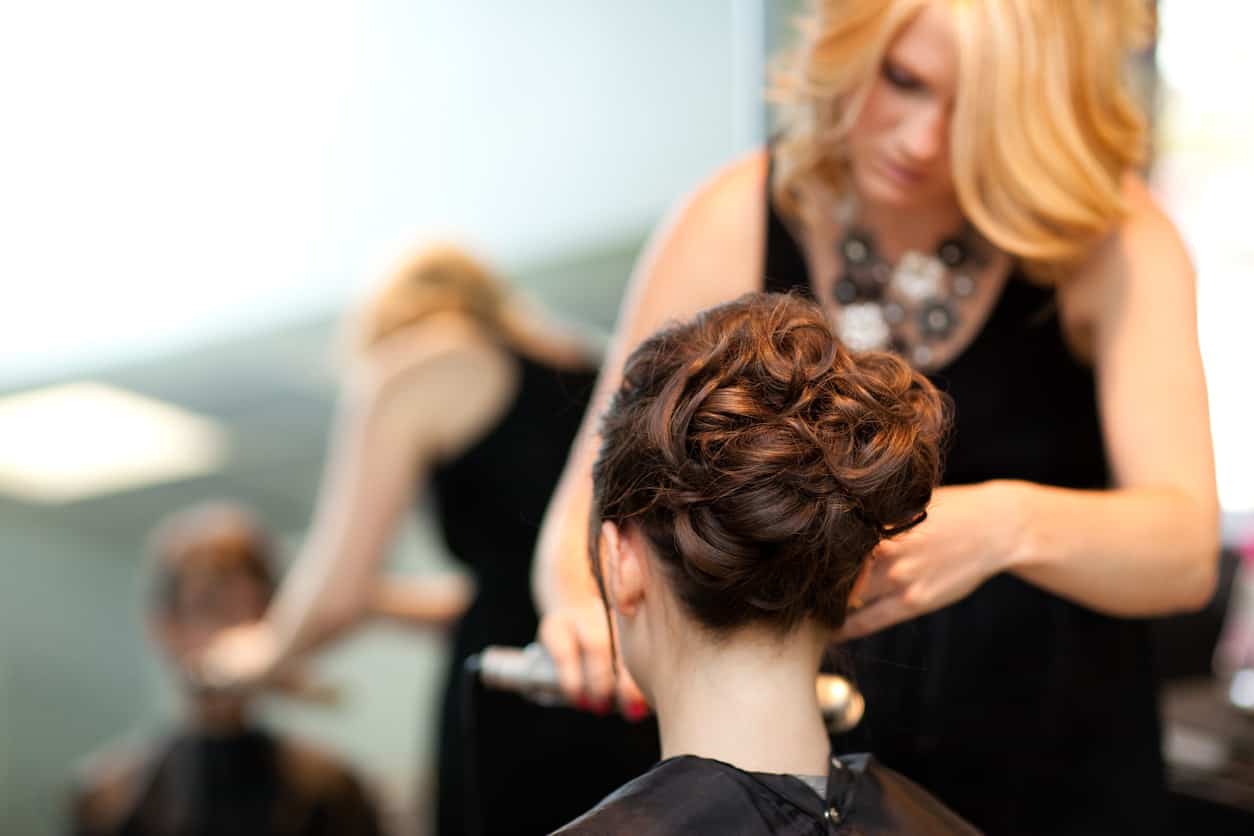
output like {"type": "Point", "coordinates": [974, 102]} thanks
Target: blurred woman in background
{"type": "Point", "coordinates": [461, 386]}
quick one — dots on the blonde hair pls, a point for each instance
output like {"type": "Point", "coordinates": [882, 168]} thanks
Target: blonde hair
{"type": "Point", "coordinates": [1044, 124]}
{"type": "Point", "coordinates": [436, 279]}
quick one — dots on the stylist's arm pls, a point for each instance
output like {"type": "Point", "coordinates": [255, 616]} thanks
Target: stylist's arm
{"type": "Point", "coordinates": [686, 267]}
{"type": "Point", "coordinates": [1146, 547]}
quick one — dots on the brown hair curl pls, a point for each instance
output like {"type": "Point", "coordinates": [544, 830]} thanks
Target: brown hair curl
{"type": "Point", "coordinates": [764, 461]}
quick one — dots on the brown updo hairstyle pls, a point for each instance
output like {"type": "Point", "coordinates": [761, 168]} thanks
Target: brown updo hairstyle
{"type": "Point", "coordinates": [764, 461]}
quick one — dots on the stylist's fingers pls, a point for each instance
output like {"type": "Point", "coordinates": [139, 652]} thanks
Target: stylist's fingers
{"type": "Point", "coordinates": [880, 577]}
{"type": "Point", "coordinates": [876, 616]}
{"type": "Point", "coordinates": [557, 634]}
{"type": "Point", "coordinates": [598, 666]}
{"type": "Point", "coordinates": [239, 657]}
{"type": "Point", "coordinates": [631, 701]}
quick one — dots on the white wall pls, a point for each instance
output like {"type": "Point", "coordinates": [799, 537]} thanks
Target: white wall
{"type": "Point", "coordinates": [176, 170]}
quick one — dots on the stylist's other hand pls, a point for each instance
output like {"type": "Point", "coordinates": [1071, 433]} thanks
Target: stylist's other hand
{"type": "Point", "coordinates": [578, 638]}
{"type": "Point", "coordinates": [965, 540]}
{"type": "Point", "coordinates": [240, 657]}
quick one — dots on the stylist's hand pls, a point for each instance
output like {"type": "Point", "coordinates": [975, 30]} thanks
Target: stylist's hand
{"type": "Point", "coordinates": [966, 539]}
{"type": "Point", "coordinates": [244, 656]}
{"type": "Point", "coordinates": [577, 636]}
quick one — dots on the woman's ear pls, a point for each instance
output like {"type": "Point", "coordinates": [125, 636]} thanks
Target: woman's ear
{"type": "Point", "coordinates": [623, 567]}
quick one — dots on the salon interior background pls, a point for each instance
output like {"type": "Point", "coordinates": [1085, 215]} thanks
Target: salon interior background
{"type": "Point", "coordinates": [193, 193]}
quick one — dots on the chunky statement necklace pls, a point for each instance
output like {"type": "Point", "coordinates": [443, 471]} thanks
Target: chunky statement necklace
{"type": "Point", "coordinates": [910, 307]}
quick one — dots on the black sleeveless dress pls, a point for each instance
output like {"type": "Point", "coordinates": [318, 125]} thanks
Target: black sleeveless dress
{"type": "Point", "coordinates": [1023, 712]}
{"type": "Point", "coordinates": [534, 768]}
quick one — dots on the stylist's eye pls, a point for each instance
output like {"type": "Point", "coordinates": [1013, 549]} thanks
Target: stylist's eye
{"type": "Point", "coordinates": [900, 78]}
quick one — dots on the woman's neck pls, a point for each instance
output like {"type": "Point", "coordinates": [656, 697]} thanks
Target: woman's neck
{"type": "Point", "coordinates": [216, 715]}
{"type": "Point", "coordinates": [749, 701]}
{"type": "Point", "coordinates": [899, 230]}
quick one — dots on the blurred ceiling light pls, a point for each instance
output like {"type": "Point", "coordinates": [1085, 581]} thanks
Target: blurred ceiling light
{"type": "Point", "coordinates": [70, 442]}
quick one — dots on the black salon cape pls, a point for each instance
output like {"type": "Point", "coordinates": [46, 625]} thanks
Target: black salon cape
{"type": "Point", "coordinates": [692, 795]}
{"type": "Point", "coordinates": [245, 784]}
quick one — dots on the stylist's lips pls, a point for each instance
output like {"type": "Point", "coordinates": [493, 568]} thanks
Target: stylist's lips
{"type": "Point", "coordinates": [901, 174]}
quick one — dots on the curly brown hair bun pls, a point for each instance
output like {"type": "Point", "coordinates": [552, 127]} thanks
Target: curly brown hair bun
{"type": "Point", "coordinates": [764, 460]}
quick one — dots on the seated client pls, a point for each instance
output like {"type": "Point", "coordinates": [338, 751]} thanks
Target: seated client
{"type": "Point", "coordinates": [750, 464]}
{"type": "Point", "coordinates": [216, 771]}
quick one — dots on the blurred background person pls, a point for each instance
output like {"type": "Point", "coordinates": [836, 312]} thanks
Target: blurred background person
{"type": "Point", "coordinates": [750, 463]}
{"type": "Point", "coordinates": [461, 386]}
{"type": "Point", "coordinates": [957, 182]}
{"type": "Point", "coordinates": [217, 772]}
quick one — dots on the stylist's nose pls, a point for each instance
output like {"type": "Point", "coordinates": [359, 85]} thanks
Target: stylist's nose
{"type": "Point", "coordinates": [925, 134]}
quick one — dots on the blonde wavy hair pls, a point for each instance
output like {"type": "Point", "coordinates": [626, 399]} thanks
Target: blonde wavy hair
{"type": "Point", "coordinates": [439, 278]}
{"type": "Point", "coordinates": [1044, 125]}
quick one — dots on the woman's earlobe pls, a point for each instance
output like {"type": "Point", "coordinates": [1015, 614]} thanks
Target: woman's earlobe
{"type": "Point", "coordinates": [621, 567]}
{"type": "Point", "coordinates": [629, 571]}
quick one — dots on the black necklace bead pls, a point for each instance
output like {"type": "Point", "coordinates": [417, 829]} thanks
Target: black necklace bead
{"type": "Point", "coordinates": [868, 280]}
{"type": "Point", "coordinates": [856, 249]}
{"type": "Point", "coordinates": [864, 278]}
{"type": "Point", "coordinates": [846, 291]}
{"type": "Point", "coordinates": [964, 285]}
{"type": "Point", "coordinates": [936, 319]}
{"type": "Point", "coordinates": [952, 252]}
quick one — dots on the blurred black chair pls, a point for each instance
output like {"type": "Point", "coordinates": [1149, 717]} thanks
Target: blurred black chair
{"type": "Point", "coordinates": [1213, 798]}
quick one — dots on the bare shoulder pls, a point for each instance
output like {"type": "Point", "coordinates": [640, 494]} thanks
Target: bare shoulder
{"type": "Point", "coordinates": [729, 208]}
{"type": "Point", "coordinates": [1142, 262]}
{"type": "Point", "coordinates": [434, 388]}
{"type": "Point", "coordinates": [709, 250]}
{"type": "Point", "coordinates": [1145, 247]}
{"type": "Point", "coordinates": [736, 192]}
{"type": "Point", "coordinates": [1148, 227]}
{"type": "Point", "coordinates": [106, 782]}
{"type": "Point", "coordinates": [408, 357]}
{"type": "Point", "coordinates": [314, 770]}
{"type": "Point", "coordinates": [115, 764]}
